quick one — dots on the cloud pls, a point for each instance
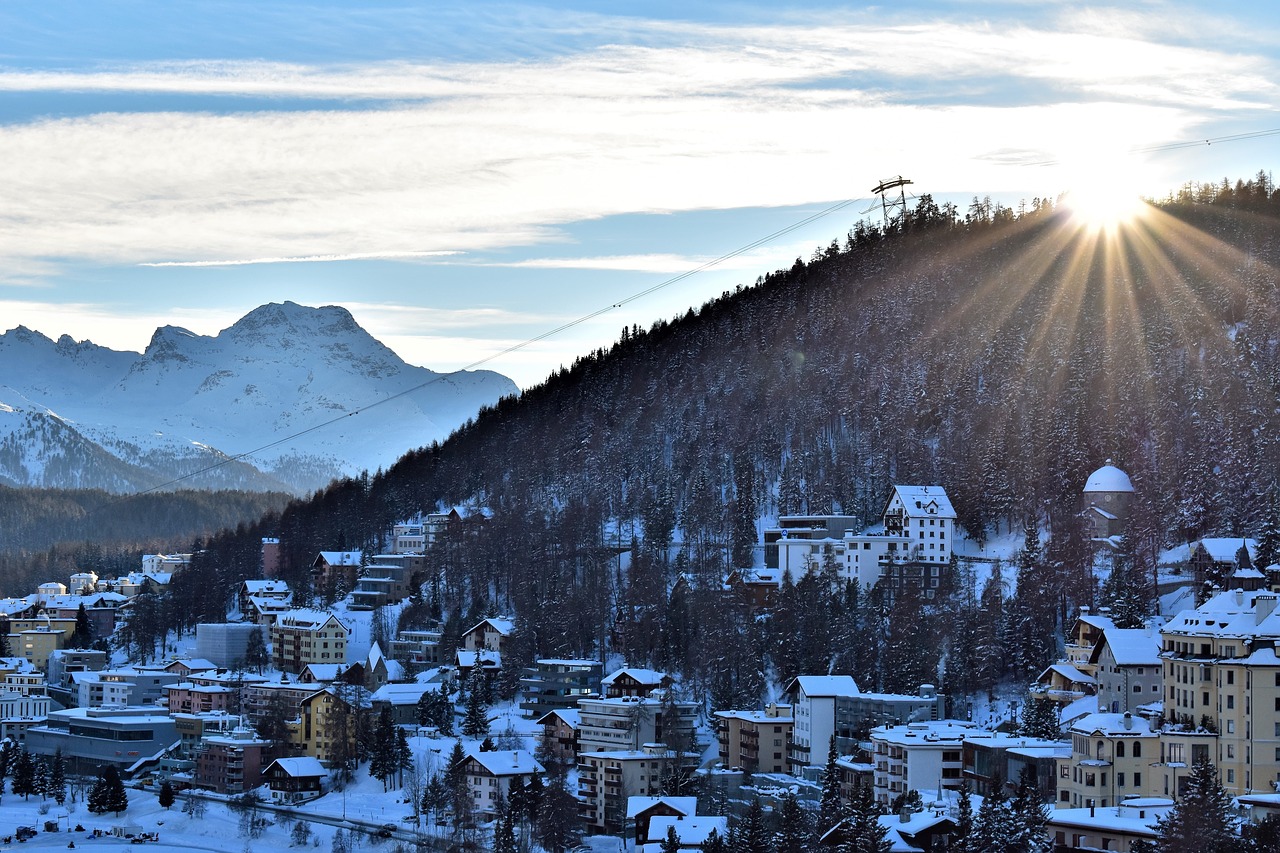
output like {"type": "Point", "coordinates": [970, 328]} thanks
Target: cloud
{"type": "Point", "coordinates": [308, 259]}
{"type": "Point", "coordinates": [466, 157]}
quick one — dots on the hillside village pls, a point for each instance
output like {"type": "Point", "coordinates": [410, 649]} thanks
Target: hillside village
{"type": "Point", "coordinates": [289, 702]}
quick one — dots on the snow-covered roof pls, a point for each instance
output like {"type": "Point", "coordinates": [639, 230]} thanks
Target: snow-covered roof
{"type": "Point", "coordinates": [1129, 646]}
{"type": "Point", "coordinates": [302, 617]}
{"type": "Point", "coordinates": [1108, 478]}
{"type": "Point", "coordinates": [1069, 672]}
{"type": "Point", "coordinates": [1223, 549]}
{"type": "Point", "coordinates": [502, 626]}
{"type": "Point", "coordinates": [1134, 820]}
{"type": "Point", "coordinates": [304, 766]}
{"type": "Point", "coordinates": [691, 830]}
{"type": "Point", "coordinates": [324, 671]}
{"type": "Point", "coordinates": [824, 685]}
{"type": "Point", "coordinates": [342, 558]}
{"type": "Point", "coordinates": [467, 659]}
{"type": "Point", "coordinates": [1078, 709]}
{"type": "Point", "coordinates": [266, 587]}
{"type": "Point", "coordinates": [517, 762]}
{"type": "Point", "coordinates": [640, 676]}
{"type": "Point", "coordinates": [572, 717]}
{"type": "Point", "coordinates": [684, 805]}
{"type": "Point", "coordinates": [1113, 724]}
{"type": "Point", "coordinates": [755, 716]}
{"type": "Point", "coordinates": [924, 501]}
{"type": "Point", "coordinates": [403, 694]}
{"type": "Point", "coordinates": [928, 733]}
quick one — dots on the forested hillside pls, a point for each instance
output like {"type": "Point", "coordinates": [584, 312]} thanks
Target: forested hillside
{"type": "Point", "coordinates": [1002, 354]}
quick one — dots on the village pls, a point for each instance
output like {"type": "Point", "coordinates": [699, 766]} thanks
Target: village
{"type": "Point", "coordinates": [330, 722]}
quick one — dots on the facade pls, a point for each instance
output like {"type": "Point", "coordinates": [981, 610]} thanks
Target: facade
{"type": "Point", "coordinates": [224, 643]}
{"type": "Point", "coordinates": [630, 722]}
{"type": "Point", "coordinates": [1129, 670]}
{"type": "Point", "coordinates": [327, 718]}
{"type": "Point", "coordinates": [336, 569]}
{"type": "Point", "coordinates": [230, 764]}
{"type": "Point", "coordinates": [295, 780]}
{"type": "Point", "coordinates": [803, 528]}
{"type": "Point", "coordinates": [862, 711]}
{"type": "Point", "coordinates": [20, 711]}
{"type": "Point", "coordinates": [187, 697]}
{"type": "Point", "coordinates": [489, 776]}
{"type": "Point", "coordinates": [756, 741]}
{"type": "Point", "coordinates": [301, 637]}
{"type": "Point", "coordinates": [268, 588]}
{"type": "Point", "coordinates": [388, 579]}
{"type": "Point", "coordinates": [641, 810]}
{"type": "Point", "coordinates": [1113, 756]}
{"type": "Point", "coordinates": [630, 681]}
{"type": "Point", "coordinates": [813, 700]}
{"type": "Point", "coordinates": [1214, 562]}
{"type": "Point", "coordinates": [554, 683]}
{"type": "Point", "coordinates": [119, 688]}
{"type": "Point", "coordinates": [918, 757]}
{"type": "Point", "coordinates": [991, 757]}
{"type": "Point", "coordinates": [560, 734]}
{"type": "Point", "coordinates": [1108, 829]}
{"type": "Point", "coordinates": [92, 737]}
{"type": "Point", "coordinates": [418, 647]}
{"type": "Point", "coordinates": [608, 779]}
{"type": "Point", "coordinates": [489, 635]}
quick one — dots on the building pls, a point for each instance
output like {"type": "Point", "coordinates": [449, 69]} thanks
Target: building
{"type": "Point", "coordinates": [224, 643]}
{"type": "Point", "coordinates": [560, 733]}
{"type": "Point", "coordinates": [607, 779]}
{"type": "Point", "coordinates": [268, 588]}
{"type": "Point", "coordinates": [300, 637]}
{"type": "Point", "coordinates": [692, 831]}
{"type": "Point", "coordinates": [1113, 756]}
{"type": "Point", "coordinates": [295, 780]}
{"type": "Point", "coordinates": [388, 579]}
{"type": "Point", "coordinates": [554, 683]}
{"type": "Point", "coordinates": [629, 722]}
{"type": "Point", "coordinates": [402, 700]}
{"type": "Point", "coordinates": [804, 528]}
{"type": "Point", "coordinates": [813, 699]}
{"type": "Point", "coordinates": [187, 697]}
{"type": "Point", "coordinates": [327, 721]}
{"type": "Point", "coordinates": [124, 687]}
{"type": "Point", "coordinates": [1221, 668]}
{"type": "Point", "coordinates": [489, 635]}
{"type": "Point", "coordinates": [989, 758]}
{"type": "Point", "coordinates": [92, 737]}
{"type": "Point", "coordinates": [756, 741]}
{"type": "Point", "coordinates": [490, 775]}
{"type": "Point", "coordinates": [861, 712]}
{"type": "Point", "coordinates": [230, 764]}
{"type": "Point", "coordinates": [336, 569]}
{"type": "Point", "coordinates": [419, 647]}
{"type": "Point", "coordinates": [1115, 828]}
{"type": "Point", "coordinates": [918, 757]}
{"type": "Point", "coordinates": [20, 711]}
{"type": "Point", "coordinates": [1215, 560]}
{"type": "Point", "coordinates": [630, 681]}
{"type": "Point", "coordinates": [1129, 670]}
{"type": "Point", "coordinates": [1106, 503]}
{"type": "Point", "coordinates": [641, 810]}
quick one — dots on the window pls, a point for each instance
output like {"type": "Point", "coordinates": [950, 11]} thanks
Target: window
{"type": "Point", "coordinates": [1231, 775]}
{"type": "Point", "coordinates": [1137, 780]}
{"type": "Point", "coordinates": [1119, 749]}
{"type": "Point", "coordinates": [1231, 702]}
{"type": "Point", "coordinates": [1231, 676]}
{"type": "Point", "coordinates": [1119, 780]}
{"type": "Point", "coordinates": [1137, 751]}
{"type": "Point", "coordinates": [1231, 727]}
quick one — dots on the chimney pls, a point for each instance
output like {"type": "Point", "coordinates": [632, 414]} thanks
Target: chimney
{"type": "Point", "coordinates": [1263, 606]}
{"type": "Point", "coordinates": [1128, 721]}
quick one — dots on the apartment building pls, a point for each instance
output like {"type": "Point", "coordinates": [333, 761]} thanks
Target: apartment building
{"type": "Point", "coordinates": [756, 741]}
{"type": "Point", "coordinates": [301, 637]}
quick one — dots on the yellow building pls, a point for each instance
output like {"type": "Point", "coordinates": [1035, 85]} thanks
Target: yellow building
{"type": "Point", "coordinates": [37, 644]}
{"type": "Point", "coordinates": [328, 716]}
{"type": "Point", "coordinates": [1111, 759]}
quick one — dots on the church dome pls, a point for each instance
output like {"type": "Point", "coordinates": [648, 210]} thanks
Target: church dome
{"type": "Point", "coordinates": [1108, 478]}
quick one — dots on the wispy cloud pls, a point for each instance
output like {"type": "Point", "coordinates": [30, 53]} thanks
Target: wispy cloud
{"type": "Point", "coordinates": [306, 259]}
{"type": "Point", "coordinates": [464, 157]}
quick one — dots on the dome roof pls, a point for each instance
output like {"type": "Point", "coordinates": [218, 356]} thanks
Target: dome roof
{"type": "Point", "coordinates": [1108, 478]}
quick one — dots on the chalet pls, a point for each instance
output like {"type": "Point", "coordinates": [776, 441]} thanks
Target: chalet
{"type": "Point", "coordinates": [643, 809]}
{"type": "Point", "coordinates": [630, 681]}
{"type": "Point", "coordinates": [489, 776]}
{"type": "Point", "coordinates": [336, 569]}
{"type": "Point", "coordinates": [560, 733]}
{"type": "Point", "coordinates": [1129, 670]}
{"type": "Point", "coordinates": [924, 831]}
{"type": "Point", "coordinates": [270, 589]}
{"type": "Point", "coordinates": [1214, 560]}
{"type": "Point", "coordinates": [295, 780]}
{"type": "Point", "coordinates": [691, 831]}
{"type": "Point", "coordinates": [489, 635]}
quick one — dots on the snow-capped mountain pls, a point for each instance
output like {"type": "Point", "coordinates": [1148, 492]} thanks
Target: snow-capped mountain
{"type": "Point", "coordinates": [78, 415]}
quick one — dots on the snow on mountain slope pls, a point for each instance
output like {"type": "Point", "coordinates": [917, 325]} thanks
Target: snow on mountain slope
{"type": "Point", "coordinates": [191, 400]}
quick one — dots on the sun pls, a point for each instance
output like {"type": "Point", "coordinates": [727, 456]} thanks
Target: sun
{"type": "Point", "coordinates": [1103, 196]}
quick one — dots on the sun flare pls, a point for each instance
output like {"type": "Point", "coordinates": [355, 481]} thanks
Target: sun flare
{"type": "Point", "coordinates": [1104, 197]}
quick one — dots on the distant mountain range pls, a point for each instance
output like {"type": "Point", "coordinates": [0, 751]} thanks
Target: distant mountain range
{"type": "Point", "coordinates": [78, 415]}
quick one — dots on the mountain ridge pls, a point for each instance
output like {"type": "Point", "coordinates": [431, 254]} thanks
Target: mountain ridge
{"type": "Point", "coordinates": [188, 402]}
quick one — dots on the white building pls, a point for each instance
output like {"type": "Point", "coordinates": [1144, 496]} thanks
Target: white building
{"type": "Point", "coordinates": [813, 700]}
{"type": "Point", "coordinates": [919, 757]}
{"type": "Point", "coordinates": [629, 722]}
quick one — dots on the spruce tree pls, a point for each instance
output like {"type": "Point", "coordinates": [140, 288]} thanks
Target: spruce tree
{"type": "Point", "coordinates": [753, 835]}
{"type": "Point", "coordinates": [1039, 719]}
{"type": "Point", "coordinates": [24, 775]}
{"type": "Point", "coordinates": [715, 843]}
{"type": "Point", "coordinates": [795, 835]}
{"type": "Point", "coordinates": [166, 797]}
{"type": "Point", "coordinates": [1202, 819]}
{"type": "Point", "coordinates": [58, 777]}
{"type": "Point", "coordinates": [117, 800]}
{"type": "Point", "coordinates": [670, 844]}
{"type": "Point", "coordinates": [504, 837]}
{"type": "Point", "coordinates": [829, 808]}
{"type": "Point", "coordinates": [1029, 818]}
{"type": "Point", "coordinates": [863, 831]}
{"type": "Point", "coordinates": [964, 821]}
{"type": "Point", "coordinates": [475, 723]}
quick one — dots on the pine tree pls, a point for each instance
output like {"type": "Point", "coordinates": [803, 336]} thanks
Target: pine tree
{"type": "Point", "coordinates": [795, 834]}
{"type": "Point", "coordinates": [475, 723]}
{"type": "Point", "coordinates": [40, 778]}
{"type": "Point", "coordinates": [82, 637]}
{"type": "Point", "coordinates": [753, 835]}
{"type": "Point", "coordinates": [557, 830]}
{"type": "Point", "coordinates": [1126, 592]}
{"type": "Point", "coordinates": [403, 755]}
{"type": "Point", "coordinates": [670, 844]}
{"type": "Point", "coordinates": [108, 793]}
{"type": "Point", "coordinates": [167, 796]}
{"type": "Point", "coordinates": [1202, 819]}
{"type": "Point", "coordinates": [383, 761]}
{"type": "Point", "coordinates": [964, 821]}
{"type": "Point", "coordinates": [1029, 818]}
{"type": "Point", "coordinates": [715, 843]}
{"type": "Point", "coordinates": [58, 777]}
{"type": "Point", "coordinates": [504, 837]}
{"type": "Point", "coordinates": [829, 808]}
{"type": "Point", "coordinates": [1039, 719]}
{"type": "Point", "coordinates": [1269, 538]}
{"type": "Point", "coordinates": [863, 831]}
{"type": "Point", "coordinates": [255, 652]}
{"type": "Point", "coordinates": [24, 775]}
{"type": "Point", "coordinates": [300, 835]}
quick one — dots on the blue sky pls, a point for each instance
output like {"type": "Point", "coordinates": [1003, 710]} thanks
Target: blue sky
{"type": "Point", "coordinates": [463, 177]}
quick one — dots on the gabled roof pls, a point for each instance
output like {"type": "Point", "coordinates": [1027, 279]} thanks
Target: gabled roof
{"type": "Point", "coordinates": [572, 717]}
{"type": "Point", "coordinates": [1069, 672]}
{"type": "Point", "coordinates": [502, 626]}
{"type": "Point", "coordinates": [467, 659]}
{"type": "Point", "coordinates": [307, 618]}
{"type": "Point", "coordinates": [640, 676]}
{"type": "Point", "coordinates": [1223, 550]}
{"type": "Point", "coordinates": [302, 767]}
{"type": "Point", "coordinates": [517, 762]}
{"type": "Point", "coordinates": [341, 558]}
{"type": "Point", "coordinates": [639, 805]}
{"type": "Point", "coordinates": [691, 830]}
{"type": "Point", "coordinates": [824, 685]}
{"type": "Point", "coordinates": [1129, 647]}
{"type": "Point", "coordinates": [923, 501]}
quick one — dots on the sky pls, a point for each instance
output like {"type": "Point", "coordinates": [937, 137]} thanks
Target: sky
{"type": "Point", "coordinates": [465, 177]}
